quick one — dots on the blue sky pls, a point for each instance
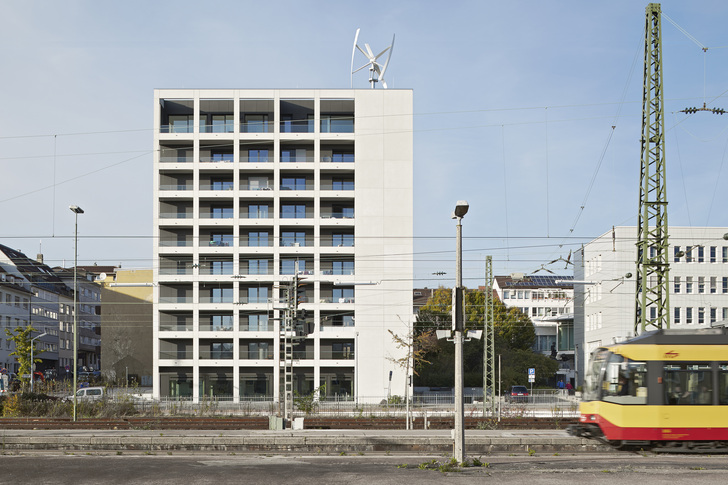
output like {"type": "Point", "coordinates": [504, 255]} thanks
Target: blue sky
{"type": "Point", "coordinates": [514, 107]}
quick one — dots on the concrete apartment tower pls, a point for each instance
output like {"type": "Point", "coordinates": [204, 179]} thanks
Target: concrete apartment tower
{"type": "Point", "coordinates": [250, 185]}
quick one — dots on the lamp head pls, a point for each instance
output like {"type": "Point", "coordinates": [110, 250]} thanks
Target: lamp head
{"type": "Point", "coordinates": [76, 209]}
{"type": "Point", "coordinates": [461, 208]}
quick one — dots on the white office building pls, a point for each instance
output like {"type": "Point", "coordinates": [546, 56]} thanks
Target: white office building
{"type": "Point", "coordinates": [605, 277]}
{"type": "Point", "coordinates": [252, 185]}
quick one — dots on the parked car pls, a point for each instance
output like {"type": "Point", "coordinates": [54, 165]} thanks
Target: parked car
{"type": "Point", "coordinates": [517, 394]}
{"type": "Point", "coordinates": [88, 394]}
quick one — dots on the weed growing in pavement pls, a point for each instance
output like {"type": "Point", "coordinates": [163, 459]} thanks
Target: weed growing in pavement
{"type": "Point", "coordinates": [697, 468]}
{"type": "Point", "coordinates": [403, 465]}
{"type": "Point", "coordinates": [531, 452]}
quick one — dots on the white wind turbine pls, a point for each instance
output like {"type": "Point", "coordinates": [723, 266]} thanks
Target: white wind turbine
{"type": "Point", "coordinates": [376, 70]}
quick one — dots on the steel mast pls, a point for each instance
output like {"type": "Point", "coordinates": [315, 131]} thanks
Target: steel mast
{"type": "Point", "coordinates": [488, 341]}
{"type": "Point", "coordinates": [652, 246]}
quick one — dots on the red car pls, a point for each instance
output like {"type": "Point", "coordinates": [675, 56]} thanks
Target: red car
{"type": "Point", "coordinates": [517, 394]}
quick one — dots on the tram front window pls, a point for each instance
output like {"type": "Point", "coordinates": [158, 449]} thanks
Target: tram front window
{"type": "Point", "coordinates": [624, 381]}
{"type": "Point", "coordinates": [593, 375]}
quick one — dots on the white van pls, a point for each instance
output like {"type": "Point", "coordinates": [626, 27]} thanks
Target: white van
{"type": "Point", "coordinates": [89, 394]}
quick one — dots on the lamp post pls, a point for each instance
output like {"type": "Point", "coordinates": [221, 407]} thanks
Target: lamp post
{"type": "Point", "coordinates": [32, 364]}
{"type": "Point", "coordinates": [461, 208]}
{"type": "Point", "coordinates": [76, 210]}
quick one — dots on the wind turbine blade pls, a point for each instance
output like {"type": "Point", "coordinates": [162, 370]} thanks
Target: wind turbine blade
{"type": "Point", "coordinates": [371, 54]}
{"type": "Point", "coordinates": [353, 51]}
{"type": "Point", "coordinates": [380, 54]}
{"type": "Point", "coordinates": [362, 67]}
{"type": "Point", "coordinates": [386, 63]}
{"type": "Point", "coordinates": [363, 52]}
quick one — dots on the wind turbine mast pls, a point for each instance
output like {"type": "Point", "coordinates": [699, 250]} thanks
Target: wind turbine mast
{"type": "Point", "coordinates": [653, 267]}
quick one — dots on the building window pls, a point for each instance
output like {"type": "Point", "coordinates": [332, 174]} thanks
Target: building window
{"type": "Point", "coordinates": [688, 315]}
{"type": "Point", "coordinates": [725, 254]}
{"type": "Point", "coordinates": [701, 254]}
{"type": "Point", "coordinates": [293, 183]}
{"type": "Point", "coordinates": [713, 284]}
{"type": "Point", "coordinates": [725, 284]}
{"type": "Point", "coordinates": [677, 284]}
{"type": "Point", "coordinates": [701, 284]}
{"type": "Point", "coordinates": [256, 211]}
{"type": "Point", "coordinates": [258, 156]}
{"type": "Point", "coordinates": [342, 157]}
{"type": "Point", "coordinates": [258, 238]}
{"type": "Point", "coordinates": [221, 240]}
{"type": "Point", "coordinates": [294, 155]}
{"type": "Point", "coordinates": [676, 251]}
{"type": "Point", "coordinates": [713, 314]}
{"type": "Point", "coordinates": [221, 267]}
{"type": "Point", "coordinates": [725, 313]}
{"type": "Point", "coordinates": [713, 253]}
{"type": "Point", "coordinates": [258, 266]}
{"type": "Point", "coordinates": [701, 315]}
{"type": "Point", "coordinates": [342, 267]}
{"type": "Point", "coordinates": [257, 123]}
{"type": "Point", "coordinates": [293, 238]}
{"type": "Point", "coordinates": [337, 123]}
{"type": "Point", "coordinates": [688, 284]}
{"type": "Point", "coordinates": [506, 294]}
{"type": "Point", "coordinates": [288, 266]}
{"type": "Point", "coordinates": [258, 323]}
{"type": "Point", "coordinates": [342, 240]}
{"type": "Point", "coordinates": [653, 313]}
{"type": "Point", "coordinates": [258, 295]}
{"type": "Point", "coordinates": [221, 322]}
{"type": "Point", "coordinates": [676, 315]}
{"type": "Point", "coordinates": [293, 211]}
{"type": "Point", "coordinates": [689, 254]}
{"type": "Point", "coordinates": [220, 212]}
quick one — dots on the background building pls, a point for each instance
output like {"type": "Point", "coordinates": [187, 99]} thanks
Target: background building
{"type": "Point", "coordinates": [126, 322]}
{"type": "Point", "coordinates": [549, 301]}
{"type": "Point", "coordinates": [249, 186]}
{"type": "Point", "coordinates": [605, 269]}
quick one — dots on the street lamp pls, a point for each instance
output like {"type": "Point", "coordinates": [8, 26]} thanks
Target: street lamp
{"type": "Point", "coordinates": [461, 208]}
{"type": "Point", "coordinates": [76, 210]}
{"type": "Point", "coordinates": [32, 364]}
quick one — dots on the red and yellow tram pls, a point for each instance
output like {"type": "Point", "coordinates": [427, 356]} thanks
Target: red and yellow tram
{"type": "Point", "coordinates": [663, 389]}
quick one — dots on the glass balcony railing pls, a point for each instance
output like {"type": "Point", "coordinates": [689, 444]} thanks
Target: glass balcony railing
{"type": "Point", "coordinates": [175, 354]}
{"type": "Point", "coordinates": [246, 327]}
{"type": "Point", "coordinates": [175, 271]}
{"type": "Point", "coordinates": [227, 327]}
{"type": "Point", "coordinates": [174, 327]}
{"type": "Point", "coordinates": [285, 158]}
{"type": "Point", "coordinates": [248, 186]}
{"type": "Point", "coordinates": [303, 354]}
{"type": "Point", "coordinates": [337, 215]}
{"type": "Point", "coordinates": [217, 186]}
{"type": "Point", "coordinates": [175, 187]}
{"type": "Point", "coordinates": [218, 126]}
{"type": "Point", "coordinates": [297, 126]}
{"type": "Point", "coordinates": [334, 299]}
{"type": "Point", "coordinates": [216, 354]}
{"type": "Point", "coordinates": [219, 158]}
{"type": "Point", "coordinates": [175, 215]}
{"type": "Point", "coordinates": [183, 126]}
{"type": "Point", "coordinates": [338, 158]}
{"type": "Point", "coordinates": [258, 354]}
{"type": "Point", "coordinates": [175, 299]}
{"type": "Point", "coordinates": [216, 299]}
{"type": "Point", "coordinates": [338, 186]}
{"type": "Point", "coordinates": [175, 159]}
{"type": "Point", "coordinates": [174, 243]}
{"type": "Point", "coordinates": [224, 242]}
{"type": "Point", "coordinates": [337, 354]}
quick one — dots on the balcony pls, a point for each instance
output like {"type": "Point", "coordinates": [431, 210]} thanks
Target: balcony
{"type": "Point", "coordinates": [216, 354]}
{"type": "Point", "coordinates": [175, 215]}
{"type": "Point", "coordinates": [176, 299]}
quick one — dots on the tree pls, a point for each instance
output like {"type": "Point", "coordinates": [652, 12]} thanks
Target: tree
{"type": "Point", "coordinates": [21, 337]}
{"type": "Point", "coordinates": [514, 337]}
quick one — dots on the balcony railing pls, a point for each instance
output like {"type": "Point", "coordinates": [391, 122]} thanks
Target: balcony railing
{"type": "Point", "coordinates": [338, 158]}
{"type": "Point", "coordinates": [175, 187]}
{"type": "Point", "coordinates": [176, 159]}
{"type": "Point", "coordinates": [227, 126]}
{"type": "Point", "coordinates": [175, 271]}
{"type": "Point", "coordinates": [216, 354]}
{"type": "Point", "coordinates": [337, 354]}
{"type": "Point", "coordinates": [216, 299]}
{"type": "Point", "coordinates": [217, 186]}
{"type": "Point", "coordinates": [174, 327]}
{"type": "Point", "coordinates": [294, 159]}
{"type": "Point", "coordinates": [337, 215]}
{"type": "Point", "coordinates": [175, 354]}
{"type": "Point", "coordinates": [175, 215]}
{"type": "Point", "coordinates": [244, 186]}
{"type": "Point", "coordinates": [174, 244]}
{"type": "Point", "coordinates": [218, 242]}
{"type": "Point", "coordinates": [337, 272]}
{"type": "Point", "coordinates": [227, 158]}
{"type": "Point", "coordinates": [338, 186]}
{"type": "Point", "coordinates": [216, 328]}
{"type": "Point", "coordinates": [176, 299]}
{"type": "Point", "coordinates": [178, 127]}
{"type": "Point", "coordinates": [259, 354]}
{"type": "Point", "coordinates": [333, 299]}
{"type": "Point", "coordinates": [252, 299]}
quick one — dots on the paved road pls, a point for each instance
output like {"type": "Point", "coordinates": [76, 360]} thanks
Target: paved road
{"type": "Point", "coordinates": [198, 468]}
